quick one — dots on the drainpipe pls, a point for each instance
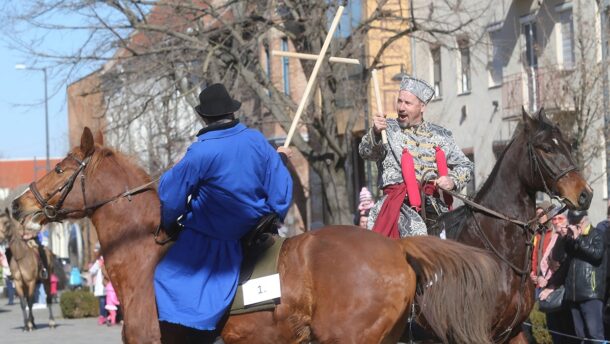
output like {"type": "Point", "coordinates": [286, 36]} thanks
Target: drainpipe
{"type": "Point", "coordinates": [604, 42]}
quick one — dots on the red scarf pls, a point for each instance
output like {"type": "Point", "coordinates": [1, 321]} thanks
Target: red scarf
{"type": "Point", "coordinates": [387, 220]}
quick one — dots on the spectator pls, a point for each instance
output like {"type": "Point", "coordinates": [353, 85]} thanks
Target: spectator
{"type": "Point", "coordinates": [561, 320]}
{"type": "Point", "coordinates": [112, 303]}
{"type": "Point", "coordinates": [76, 281]}
{"type": "Point", "coordinates": [543, 243]}
{"type": "Point", "coordinates": [99, 291]}
{"type": "Point", "coordinates": [366, 203]}
{"type": "Point", "coordinates": [604, 227]}
{"type": "Point", "coordinates": [8, 279]}
{"type": "Point", "coordinates": [582, 250]}
{"type": "Point", "coordinates": [53, 288]}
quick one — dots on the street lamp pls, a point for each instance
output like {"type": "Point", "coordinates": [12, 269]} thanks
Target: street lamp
{"type": "Point", "coordinates": [46, 106]}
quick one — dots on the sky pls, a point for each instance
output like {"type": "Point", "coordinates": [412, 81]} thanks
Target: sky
{"type": "Point", "coordinates": [22, 111]}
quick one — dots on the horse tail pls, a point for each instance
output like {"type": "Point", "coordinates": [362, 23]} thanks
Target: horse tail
{"type": "Point", "coordinates": [457, 288]}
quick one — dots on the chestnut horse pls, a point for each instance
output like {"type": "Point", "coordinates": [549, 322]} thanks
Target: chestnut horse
{"type": "Point", "coordinates": [339, 284]}
{"type": "Point", "coordinates": [25, 265]}
{"type": "Point", "coordinates": [537, 159]}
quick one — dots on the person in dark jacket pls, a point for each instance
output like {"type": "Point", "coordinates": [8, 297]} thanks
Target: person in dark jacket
{"type": "Point", "coordinates": [604, 227]}
{"type": "Point", "coordinates": [583, 251]}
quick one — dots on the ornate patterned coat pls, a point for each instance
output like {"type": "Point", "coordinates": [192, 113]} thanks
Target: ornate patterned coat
{"type": "Point", "coordinates": [420, 140]}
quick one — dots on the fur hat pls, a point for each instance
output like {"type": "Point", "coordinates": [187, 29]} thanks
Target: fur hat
{"type": "Point", "coordinates": [421, 89]}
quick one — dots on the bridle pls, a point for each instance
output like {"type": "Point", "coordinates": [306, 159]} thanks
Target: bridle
{"type": "Point", "coordinates": [539, 166]}
{"type": "Point", "coordinates": [56, 212]}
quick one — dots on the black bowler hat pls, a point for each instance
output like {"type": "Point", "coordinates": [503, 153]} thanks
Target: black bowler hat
{"type": "Point", "coordinates": [216, 101]}
{"type": "Point", "coordinates": [575, 216]}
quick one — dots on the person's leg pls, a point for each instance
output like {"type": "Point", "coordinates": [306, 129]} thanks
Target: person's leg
{"type": "Point", "coordinates": [10, 291]}
{"type": "Point", "coordinates": [178, 334]}
{"type": "Point", "coordinates": [553, 323]}
{"type": "Point", "coordinates": [579, 326]}
{"type": "Point", "coordinates": [593, 318]}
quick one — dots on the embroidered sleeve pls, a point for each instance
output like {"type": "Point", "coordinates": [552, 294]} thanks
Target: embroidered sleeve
{"type": "Point", "coordinates": [460, 167]}
{"type": "Point", "coordinates": [371, 148]}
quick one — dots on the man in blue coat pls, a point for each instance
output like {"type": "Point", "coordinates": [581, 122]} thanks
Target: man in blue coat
{"type": "Point", "coordinates": [226, 182]}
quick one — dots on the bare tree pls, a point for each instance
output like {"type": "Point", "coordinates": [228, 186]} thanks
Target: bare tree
{"type": "Point", "coordinates": [158, 54]}
{"type": "Point", "coordinates": [572, 90]}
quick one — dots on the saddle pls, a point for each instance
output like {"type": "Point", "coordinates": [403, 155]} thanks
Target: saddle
{"type": "Point", "coordinates": [256, 242]}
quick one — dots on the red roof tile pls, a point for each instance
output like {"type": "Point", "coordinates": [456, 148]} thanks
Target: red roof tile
{"type": "Point", "coordinates": [14, 173]}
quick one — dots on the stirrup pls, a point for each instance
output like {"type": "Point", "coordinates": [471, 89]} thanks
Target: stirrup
{"type": "Point", "coordinates": [44, 274]}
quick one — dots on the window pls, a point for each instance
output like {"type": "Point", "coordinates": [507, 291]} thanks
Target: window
{"type": "Point", "coordinates": [436, 70]}
{"type": "Point", "coordinates": [464, 63]}
{"type": "Point", "coordinates": [531, 44]}
{"type": "Point", "coordinates": [567, 39]}
{"type": "Point", "coordinates": [285, 68]}
{"type": "Point", "coordinates": [495, 59]}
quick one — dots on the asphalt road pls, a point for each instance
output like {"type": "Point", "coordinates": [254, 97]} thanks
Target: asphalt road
{"type": "Point", "coordinates": [82, 331]}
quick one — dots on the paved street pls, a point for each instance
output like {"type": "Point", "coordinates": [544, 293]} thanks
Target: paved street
{"type": "Point", "coordinates": [67, 330]}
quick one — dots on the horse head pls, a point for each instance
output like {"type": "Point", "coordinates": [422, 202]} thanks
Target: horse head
{"type": "Point", "coordinates": [60, 194]}
{"type": "Point", "coordinates": [551, 167]}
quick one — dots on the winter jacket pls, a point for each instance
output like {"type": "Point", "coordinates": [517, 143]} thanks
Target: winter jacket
{"type": "Point", "coordinates": [585, 257]}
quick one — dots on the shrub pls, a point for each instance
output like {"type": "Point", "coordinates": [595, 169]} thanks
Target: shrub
{"type": "Point", "coordinates": [78, 304]}
{"type": "Point", "coordinates": [538, 320]}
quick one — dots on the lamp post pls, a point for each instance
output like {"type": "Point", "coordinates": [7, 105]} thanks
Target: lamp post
{"type": "Point", "coordinates": [46, 107]}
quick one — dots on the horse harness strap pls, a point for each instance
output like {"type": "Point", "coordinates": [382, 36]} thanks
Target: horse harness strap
{"type": "Point", "coordinates": [55, 212]}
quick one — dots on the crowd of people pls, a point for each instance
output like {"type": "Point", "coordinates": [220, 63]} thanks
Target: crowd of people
{"type": "Point", "coordinates": [569, 264]}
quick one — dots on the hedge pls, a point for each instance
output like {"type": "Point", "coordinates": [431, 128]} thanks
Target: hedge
{"type": "Point", "coordinates": [78, 304]}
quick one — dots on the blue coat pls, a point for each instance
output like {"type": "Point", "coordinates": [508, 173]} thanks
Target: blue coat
{"type": "Point", "coordinates": [234, 178]}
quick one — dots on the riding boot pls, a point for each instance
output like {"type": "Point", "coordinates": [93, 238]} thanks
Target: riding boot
{"type": "Point", "coordinates": [44, 274]}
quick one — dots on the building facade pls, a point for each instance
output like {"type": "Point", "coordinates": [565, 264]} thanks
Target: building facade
{"type": "Point", "coordinates": [535, 54]}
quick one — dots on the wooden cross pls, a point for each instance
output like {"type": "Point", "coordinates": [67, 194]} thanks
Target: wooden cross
{"type": "Point", "coordinates": [312, 78]}
{"type": "Point", "coordinates": [319, 58]}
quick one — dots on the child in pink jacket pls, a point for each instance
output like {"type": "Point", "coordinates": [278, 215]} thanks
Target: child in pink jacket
{"type": "Point", "coordinates": [112, 301]}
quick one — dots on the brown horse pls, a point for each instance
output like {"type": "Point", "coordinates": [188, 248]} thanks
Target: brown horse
{"type": "Point", "coordinates": [25, 265]}
{"type": "Point", "coordinates": [537, 159]}
{"type": "Point", "coordinates": [339, 284]}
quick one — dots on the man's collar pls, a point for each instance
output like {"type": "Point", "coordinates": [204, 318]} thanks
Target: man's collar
{"type": "Point", "coordinates": [218, 126]}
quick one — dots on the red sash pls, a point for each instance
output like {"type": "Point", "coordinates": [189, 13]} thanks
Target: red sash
{"type": "Point", "coordinates": [387, 220]}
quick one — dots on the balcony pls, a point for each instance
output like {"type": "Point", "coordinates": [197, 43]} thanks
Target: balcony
{"type": "Point", "coordinates": [536, 88]}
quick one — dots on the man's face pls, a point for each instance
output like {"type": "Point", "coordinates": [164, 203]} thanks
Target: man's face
{"type": "Point", "coordinates": [409, 108]}
{"type": "Point", "coordinates": [560, 223]}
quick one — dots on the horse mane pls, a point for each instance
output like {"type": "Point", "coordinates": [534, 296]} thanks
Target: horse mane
{"type": "Point", "coordinates": [119, 159]}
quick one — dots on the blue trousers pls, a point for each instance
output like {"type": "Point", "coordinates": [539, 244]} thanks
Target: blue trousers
{"type": "Point", "coordinates": [588, 318]}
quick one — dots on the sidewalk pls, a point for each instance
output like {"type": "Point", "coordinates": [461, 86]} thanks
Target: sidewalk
{"type": "Point", "coordinates": [68, 331]}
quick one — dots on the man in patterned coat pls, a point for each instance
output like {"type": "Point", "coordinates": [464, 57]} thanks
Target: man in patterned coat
{"type": "Point", "coordinates": [420, 158]}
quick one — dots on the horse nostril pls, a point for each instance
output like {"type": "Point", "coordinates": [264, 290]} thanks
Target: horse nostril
{"type": "Point", "coordinates": [584, 200]}
{"type": "Point", "coordinates": [15, 208]}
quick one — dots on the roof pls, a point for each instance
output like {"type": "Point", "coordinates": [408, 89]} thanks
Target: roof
{"type": "Point", "coordinates": [17, 172]}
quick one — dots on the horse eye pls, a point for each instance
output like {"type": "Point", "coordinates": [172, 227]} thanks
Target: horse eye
{"type": "Point", "coordinates": [58, 169]}
{"type": "Point", "coordinates": [545, 147]}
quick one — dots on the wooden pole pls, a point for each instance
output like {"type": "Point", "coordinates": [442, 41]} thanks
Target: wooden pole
{"type": "Point", "coordinates": [384, 136]}
{"type": "Point", "coordinates": [314, 57]}
{"type": "Point", "coordinates": [312, 77]}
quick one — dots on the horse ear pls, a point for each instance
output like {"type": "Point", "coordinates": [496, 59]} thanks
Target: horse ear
{"type": "Point", "coordinates": [528, 122]}
{"type": "Point", "coordinates": [87, 145]}
{"type": "Point", "coordinates": [99, 137]}
{"type": "Point", "coordinates": [542, 115]}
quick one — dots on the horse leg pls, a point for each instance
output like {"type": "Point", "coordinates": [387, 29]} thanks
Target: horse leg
{"type": "Point", "coordinates": [47, 289]}
{"type": "Point", "coordinates": [30, 302]}
{"type": "Point", "coordinates": [23, 304]}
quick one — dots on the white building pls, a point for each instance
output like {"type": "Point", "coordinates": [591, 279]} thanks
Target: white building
{"type": "Point", "coordinates": [522, 53]}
